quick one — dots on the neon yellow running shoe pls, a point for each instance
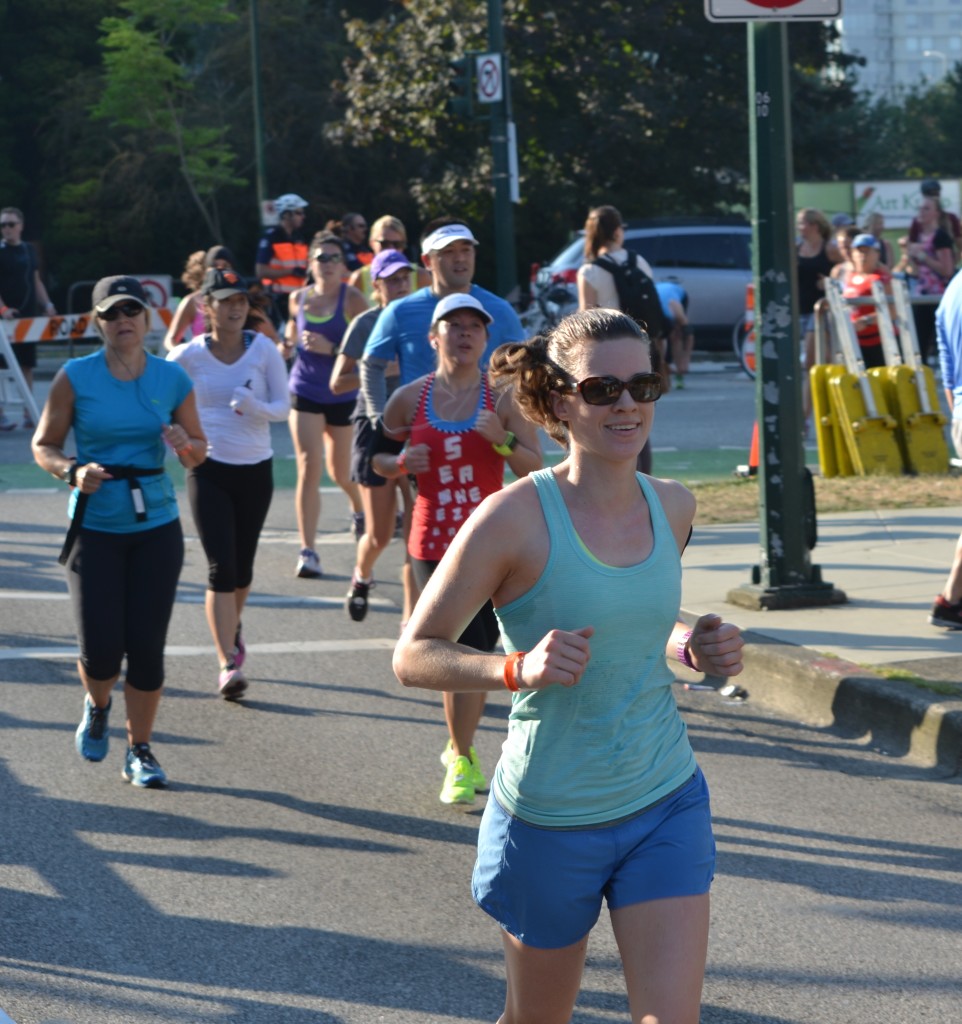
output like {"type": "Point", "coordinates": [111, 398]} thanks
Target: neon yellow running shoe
{"type": "Point", "coordinates": [457, 788]}
{"type": "Point", "coordinates": [478, 780]}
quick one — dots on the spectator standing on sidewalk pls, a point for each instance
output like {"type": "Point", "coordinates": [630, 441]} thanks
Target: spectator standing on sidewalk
{"type": "Point", "coordinates": [241, 384]}
{"type": "Point", "coordinates": [124, 549]}
{"type": "Point", "coordinates": [282, 252]}
{"type": "Point", "coordinates": [866, 270]}
{"type": "Point", "coordinates": [930, 262]}
{"type": "Point", "coordinates": [813, 267]}
{"type": "Point", "coordinates": [947, 609]}
{"type": "Point", "coordinates": [931, 188]}
{"type": "Point", "coordinates": [681, 341]}
{"type": "Point", "coordinates": [597, 795]}
{"type": "Point", "coordinates": [22, 294]}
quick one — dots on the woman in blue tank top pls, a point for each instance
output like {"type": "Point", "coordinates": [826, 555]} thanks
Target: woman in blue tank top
{"type": "Point", "coordinates": [597, 793]}
{"type": "Point", "coordinates": [124, 548]}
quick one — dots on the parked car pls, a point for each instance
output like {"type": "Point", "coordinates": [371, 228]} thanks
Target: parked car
{"type": "Point", "coordinates": [710, 259]}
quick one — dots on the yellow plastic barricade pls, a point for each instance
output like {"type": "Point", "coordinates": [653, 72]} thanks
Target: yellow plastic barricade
{"type": "Point", "coordinates": [833, 457]}
{"type": "Point", "coordinates": [859, 403]}
{"type": "Point", "coordinates": [921, 421]}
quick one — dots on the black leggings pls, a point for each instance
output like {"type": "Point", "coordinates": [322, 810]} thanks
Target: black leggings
{"type": "Point", "coordinates": [481, 632]}
{"type": "Point", "coordinates": [230, 504]}
{"type": "Point", "coordinates": [122, 588]}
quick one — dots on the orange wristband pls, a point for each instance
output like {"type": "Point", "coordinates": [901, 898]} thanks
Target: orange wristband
{"type": "Point", "coordinates": [512, 666]}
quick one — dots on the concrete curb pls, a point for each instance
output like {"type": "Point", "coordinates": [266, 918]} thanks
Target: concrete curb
{"type": "Point", "coordinates": [895, 716]}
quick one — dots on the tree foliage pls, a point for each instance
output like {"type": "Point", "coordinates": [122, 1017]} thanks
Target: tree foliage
{"type": "Point", "coordinates": [153, 60]}
{"type": "Point", "coordinates": [126, 125]}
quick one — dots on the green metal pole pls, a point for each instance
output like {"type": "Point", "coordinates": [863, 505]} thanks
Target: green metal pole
{"type": "Point", "coordinates": [785, 576]}
{"type": "Point", "coordinates": [258, 107]}
{"type": "Point", "coordinates": [506, 271]}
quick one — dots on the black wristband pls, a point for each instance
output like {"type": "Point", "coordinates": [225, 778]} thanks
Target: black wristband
{"type": "Point", "coordinates": [69, 475]}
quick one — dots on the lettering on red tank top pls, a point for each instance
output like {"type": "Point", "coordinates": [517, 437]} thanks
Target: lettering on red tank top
{"type": "Point", "coordinates": [465, 469]}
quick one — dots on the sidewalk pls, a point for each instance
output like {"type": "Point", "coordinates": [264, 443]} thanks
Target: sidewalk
{"type": "Point", "coordinates": [834, 666]}
{"type": "Point", "coordinates": [828, 667]}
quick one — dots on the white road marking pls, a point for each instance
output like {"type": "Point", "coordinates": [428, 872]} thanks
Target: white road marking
{"type": "Point", "coordinates": [193, 651]}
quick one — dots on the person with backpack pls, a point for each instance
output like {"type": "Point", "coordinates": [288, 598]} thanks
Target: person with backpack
{"type": "Point", "coordinates": [613, 277]}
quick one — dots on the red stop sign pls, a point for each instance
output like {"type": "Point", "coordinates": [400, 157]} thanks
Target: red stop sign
{"type": "Point", "coordinates": [774, 4]}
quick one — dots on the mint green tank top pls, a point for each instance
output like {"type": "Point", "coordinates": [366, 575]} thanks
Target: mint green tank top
{"type": "Point", "coordinates": [615, 743]}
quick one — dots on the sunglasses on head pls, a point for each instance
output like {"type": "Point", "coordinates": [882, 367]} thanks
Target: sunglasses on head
{"type": "Point", "coordinates": [643, 388]}
{"type": "Point", "coordinates": [327, 257]}
{"type": "Point", "coordinates": [128, 310]}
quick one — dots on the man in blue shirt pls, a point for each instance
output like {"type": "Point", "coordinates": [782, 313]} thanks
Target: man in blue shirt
{"type": "Point", "coordinates": [947, 610]}
{"type": "Point", "coordinates": [401, 331]}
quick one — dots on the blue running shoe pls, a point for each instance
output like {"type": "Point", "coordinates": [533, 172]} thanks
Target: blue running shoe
{"type": "Point", "coordinates": [141, 768]}
{"type": "Point", "coordinates": [92, 736]}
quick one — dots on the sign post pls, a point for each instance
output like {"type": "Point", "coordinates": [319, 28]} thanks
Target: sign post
{"type": "Point", "coordinates": [785, 576]}
{"type": "Point", "coordinates": [494, 88]}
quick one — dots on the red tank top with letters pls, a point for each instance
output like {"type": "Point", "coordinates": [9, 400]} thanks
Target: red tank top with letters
{"type": "Point", "coordinates": [465, 469]}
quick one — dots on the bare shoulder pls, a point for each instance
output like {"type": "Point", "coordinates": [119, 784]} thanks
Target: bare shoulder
{"type": "Point", "coordinates": [401, 406]}
{"type": "Point", "coordinates": [511, 509]}
{"type": "Point", "coordinates": [356, 302]}
{"type": "Point", "coordinates": [678, 502]}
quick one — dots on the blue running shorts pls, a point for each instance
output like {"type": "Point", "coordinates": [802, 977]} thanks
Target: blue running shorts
{"type": "Point", "coordinates": [545, 885]}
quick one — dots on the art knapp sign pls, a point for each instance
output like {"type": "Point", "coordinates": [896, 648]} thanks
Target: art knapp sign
{"type": "Point", "coordinates": [898, 201]}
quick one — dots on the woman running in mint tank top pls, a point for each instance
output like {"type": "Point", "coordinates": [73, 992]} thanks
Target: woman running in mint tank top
{"type": "Point", "coordinates": [582, 562]}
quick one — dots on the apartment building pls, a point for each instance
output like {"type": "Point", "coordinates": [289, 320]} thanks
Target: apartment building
{"type": "Point", "coordinates": [904, 42]}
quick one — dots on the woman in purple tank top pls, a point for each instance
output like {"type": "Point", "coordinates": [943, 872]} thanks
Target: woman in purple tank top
{"type": "Point", "coordinates": [320, 421]}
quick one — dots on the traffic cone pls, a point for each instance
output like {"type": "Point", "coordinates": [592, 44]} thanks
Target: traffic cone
{"type": "Point", "coordinates": [752, 468]}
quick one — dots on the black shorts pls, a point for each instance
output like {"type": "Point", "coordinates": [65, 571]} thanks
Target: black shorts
{"type": "Point", "coordinates": [26, 354]}
{"type": "Point", "coordinates": [337, 414]}
{"type": "Point", "coordinates": [482, 631]}
{"type": "Point", "coordinates": [362, 472]}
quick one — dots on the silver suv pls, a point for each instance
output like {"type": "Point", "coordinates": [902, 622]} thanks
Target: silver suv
{"type": "Point", "coordinates": [711, 260]}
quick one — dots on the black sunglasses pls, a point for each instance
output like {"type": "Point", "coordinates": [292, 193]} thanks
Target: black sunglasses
{"type": "Point", "coordinates": [327, 257]}
{"type": "Point", "coordinates": [122, 309]}
{"type": "Point", "coordinates": [643, 387]}
{"type": "Point", "coordinates": [390, 243]}
{"type": "Point", "coordinates": [9, 223]}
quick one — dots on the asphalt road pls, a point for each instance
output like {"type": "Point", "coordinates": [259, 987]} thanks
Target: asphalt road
{"type": "Point", "coordinates": [301, 869]}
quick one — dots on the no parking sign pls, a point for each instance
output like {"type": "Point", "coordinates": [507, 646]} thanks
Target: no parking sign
{"type": "Point", "coordinates": [488, 76]}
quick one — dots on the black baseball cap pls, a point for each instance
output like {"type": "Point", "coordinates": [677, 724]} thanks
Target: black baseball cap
{"type": "Point", "coordinates": [931, 187]}
{"type": "Point", "coordinates": [222, 284]}
{"type": "Point", "coordinates": [108, 291]}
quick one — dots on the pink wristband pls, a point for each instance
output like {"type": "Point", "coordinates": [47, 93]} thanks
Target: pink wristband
{"type": "Point", "coordinates": [682, 651]}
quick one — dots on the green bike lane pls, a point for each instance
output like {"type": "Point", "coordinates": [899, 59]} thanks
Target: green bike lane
{"type": "Point", "coordinates": [708, 465]}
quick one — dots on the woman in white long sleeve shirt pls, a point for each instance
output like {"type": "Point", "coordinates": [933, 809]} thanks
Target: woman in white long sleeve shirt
{"type": "Point", "coordinates": [241, 386]}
